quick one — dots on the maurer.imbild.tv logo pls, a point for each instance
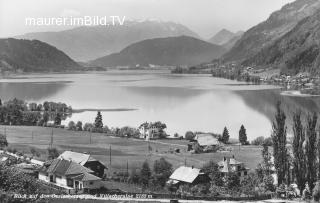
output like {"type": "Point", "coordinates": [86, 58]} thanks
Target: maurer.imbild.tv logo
{"type": "Point", "coordinates": [76, 21]}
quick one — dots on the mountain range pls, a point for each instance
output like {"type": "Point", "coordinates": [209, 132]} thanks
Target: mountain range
{"type": "Point", "coordinates": [88, 43]}
{"type": "Point", "coordinates": [33, 56]}
{"type": "Point", "coordinates": [183, 50]}
{"type": "Point", "coordinates": [297, 51]}
{"type": "Point", "coordinates": [268, 32]}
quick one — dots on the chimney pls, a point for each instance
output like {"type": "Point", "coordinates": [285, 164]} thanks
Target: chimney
{"type": "Point", "coordinates": [224, 158]}
{"type": "Point", "coordinates": [233, 156]}
{"type": "Point", "coordinates": [192, 167]}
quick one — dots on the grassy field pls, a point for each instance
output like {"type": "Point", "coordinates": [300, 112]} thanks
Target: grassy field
{"type": "Point", "coordinates": [123, 150]}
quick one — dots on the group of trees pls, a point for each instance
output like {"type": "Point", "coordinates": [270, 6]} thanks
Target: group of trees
{"type": "Point", "coordinates": [304, 158]}
{"type": "Point", "coordinates": [99, 127]}
{"type": "Point", "coordinates": [235, 74]}
{"type": "Point", "coordinates": [18, 112]}
{"type": "Point", "coordinates": [155, 178]}
{"type": "Point", "coordinates": [260, 141]}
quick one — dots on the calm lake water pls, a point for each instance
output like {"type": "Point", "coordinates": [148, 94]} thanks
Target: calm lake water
{"type": "Point", "coordinates": [183, 102]}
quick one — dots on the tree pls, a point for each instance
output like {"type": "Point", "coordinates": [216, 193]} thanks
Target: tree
{"type": "Point", "coordinates": [45, 117]}
{"type": "Point", "coordinates": [310, 149]}
{"type": "Point", "coordinates": [189, 135]}
{"type": "Point", "coordinates": [98, 121]}
{"type": "Point", "coordinates": [71, 125]}
{"type": "Point", "coordinates": [3, 141]}
{"type": "Point", "coordinates": [145, 173]}
{"type": "Point", "coordinates": [243, 135]}
{"type": "Point", "coordinates": [225, 135]}
{"type": "Point", "coordinates": [57, 119]}
{"type": "Point", "coordinates": [318, 146]}
{"type": "Point", "coordinates": [316, 192]}
{"type": "Point", "coordinates": [279, 140]}
{"type": "Point", "coordinates": [88, 127]}
{"type": "Point", "coordinates": [212, 169]}
{"type": "Point", "coordinates": [299, 160]}
{"type": "Point", "coordinates": [53, 153]}
{"type": "Point", "coordinates": [162, 170]}
{"type": "Point", "coordinates": [258, 141]}
{"type": "Point", "coordinates": [79, 126]}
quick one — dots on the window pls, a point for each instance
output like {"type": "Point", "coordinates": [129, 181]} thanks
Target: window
{"type": "Point", "coordinates": [245, 173]}
{"type": "Point", "coordinates": [90, 183]}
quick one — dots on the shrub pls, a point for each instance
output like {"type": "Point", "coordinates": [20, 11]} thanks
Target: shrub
{"type": "Point", "coordinates": [3, 141]}
{"type": "Point", "coordinates": [189, 135]}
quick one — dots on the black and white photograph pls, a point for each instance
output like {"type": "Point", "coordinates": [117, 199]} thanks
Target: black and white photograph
{"type": "Point", "coordinates": [159, 101]}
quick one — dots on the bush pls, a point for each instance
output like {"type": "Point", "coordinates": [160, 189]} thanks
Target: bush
{"type": "Point", "coordinates": [189, 135]}
{"type": "Point", "coordinates": [3, 141]}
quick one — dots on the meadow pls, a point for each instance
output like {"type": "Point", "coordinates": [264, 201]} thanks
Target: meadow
{"type": "Point", "coordinates": [124, 151]}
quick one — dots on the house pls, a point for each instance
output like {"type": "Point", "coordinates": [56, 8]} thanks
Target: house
{"type": "Point", "coordinates": [206, 139]}
{"type": "Point", "coordinates": [188, 175]}
{"type": "Point", "coordinates": [207, 142]}
{"type": "Point", "coordinates": [149, 131]}
{"type": "Point", "coordinates": [231, 166]}
{"type": "Point", "coordinates": [85, 160]}
{"type": "Point", "coordinates": [69, 175]}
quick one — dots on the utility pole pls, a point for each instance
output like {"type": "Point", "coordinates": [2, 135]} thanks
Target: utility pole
{"type": "Point", "coordinates": [110, 154]}
{"type": "Point", "coordinates": [127, 167]}
{"type": "Point", "coordinates": [51, 142]}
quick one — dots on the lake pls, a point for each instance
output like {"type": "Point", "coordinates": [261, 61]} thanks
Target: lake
{"type": "Point", "coordinates": [183, 102]}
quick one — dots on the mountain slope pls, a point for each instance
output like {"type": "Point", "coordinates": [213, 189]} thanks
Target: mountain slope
{"type": "Point", "coordinates": [87, 43]}
{"type": "Point", "coordinates": [181, 50]}
{"type": "Point", "coordinates": [276, 26]}
{"type": "Point", "coordinates": [297, 51]}
{"type": "Point", "coordinates": [222, 37]}
{"type": "Point", "coordinates": [33, 56]}
{"type": "Point", "coordinates": [229, 44]}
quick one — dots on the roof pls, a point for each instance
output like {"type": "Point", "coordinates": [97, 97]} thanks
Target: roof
{"type": "Point", "coordinates": [79, 158]}
{"type": "Point", "coordinates": [65, 167]}
{"type": "Point", "coordinates": [185, 174]}
{"type": "Point", "coordinates": [206, 139]}
{"type": "Point", "coordinates": [86, 177]}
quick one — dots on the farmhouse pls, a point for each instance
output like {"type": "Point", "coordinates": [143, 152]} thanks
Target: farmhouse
{"type": "Point", "coordinates": [85, 160]}
{"type": "Point", "coordinates": [231, 166]}
{"type": "Point", "coordinates": [188, 175]}
{"type": "Point", "coordinates": [207, 142]}
{"type": "Point", "coordinates": [69, 175]}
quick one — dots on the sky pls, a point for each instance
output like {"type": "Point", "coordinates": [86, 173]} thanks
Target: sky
{"type": "Point", "coordinates": [205, 17]}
